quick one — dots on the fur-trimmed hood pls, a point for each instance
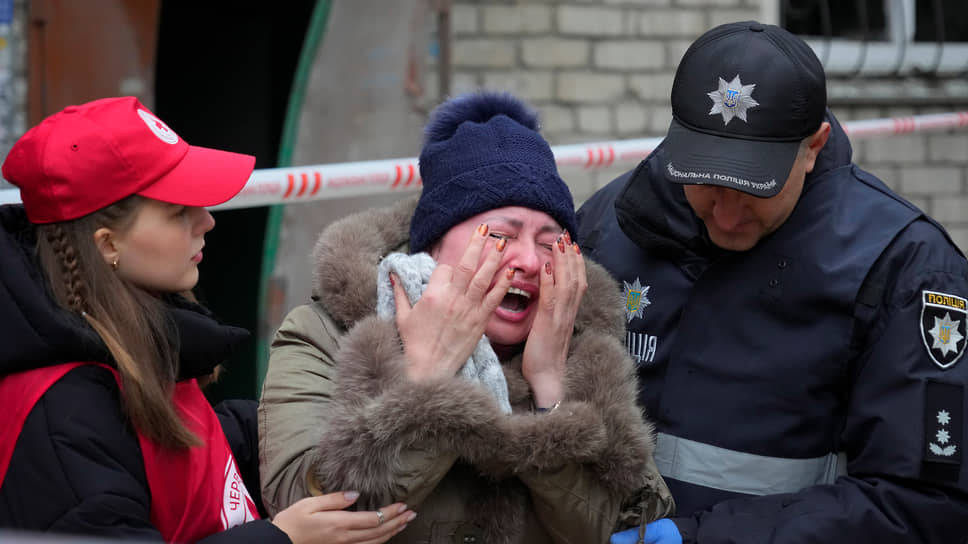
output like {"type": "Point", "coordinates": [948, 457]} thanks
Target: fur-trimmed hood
{"type": "Point", "coordinates": [445, 447]}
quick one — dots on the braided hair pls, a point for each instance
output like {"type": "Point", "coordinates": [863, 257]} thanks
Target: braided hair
{"type": "Point", "coordinates": [131, 322]}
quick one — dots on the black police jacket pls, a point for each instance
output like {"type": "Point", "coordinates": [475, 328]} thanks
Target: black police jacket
{"type": "Point", "coordinates": [811, 389]}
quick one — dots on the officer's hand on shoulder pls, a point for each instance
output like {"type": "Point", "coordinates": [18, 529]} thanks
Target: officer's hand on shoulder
{"type": "Point", "coordinates": [660, 531]}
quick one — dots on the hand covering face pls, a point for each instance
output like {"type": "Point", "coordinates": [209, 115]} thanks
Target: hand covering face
{"type": "Point", "coordinates": [413, 272]}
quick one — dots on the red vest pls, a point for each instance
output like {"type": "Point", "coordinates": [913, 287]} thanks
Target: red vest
{"type": "Point", "coordinates": [195, 492]}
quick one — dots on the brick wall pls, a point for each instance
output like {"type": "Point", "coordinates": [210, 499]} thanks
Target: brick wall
{"type": "Point", "coordinates": [602, 69]}
{"type": "Point", "coordinates": [929, 169]}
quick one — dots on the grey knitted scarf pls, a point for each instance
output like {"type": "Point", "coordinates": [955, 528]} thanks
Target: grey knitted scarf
{"type": "Point", "coordinates": [413, 272]}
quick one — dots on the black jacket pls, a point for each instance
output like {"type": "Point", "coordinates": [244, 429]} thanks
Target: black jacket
{"type": "Point", "coordinates": [805, 390]}
{"type": "Point", "coordinates": [77, 466]}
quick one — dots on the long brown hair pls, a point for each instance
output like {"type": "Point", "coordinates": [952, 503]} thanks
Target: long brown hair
{"type": "Point", "coordinates": [132, 322]}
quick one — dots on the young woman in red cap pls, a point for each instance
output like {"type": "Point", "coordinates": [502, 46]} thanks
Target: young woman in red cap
{"type": "Point", "coordinates": [105, 430]}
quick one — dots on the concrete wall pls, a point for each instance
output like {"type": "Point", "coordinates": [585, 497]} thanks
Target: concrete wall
{"type": "Point", "coordinates": [602, 69]}
{"type": "Point", "coordinates": [355, 109]}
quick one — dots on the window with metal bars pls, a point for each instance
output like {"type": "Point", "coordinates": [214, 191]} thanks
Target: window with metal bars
{"type": "Point", "coordinates": [883, 37]}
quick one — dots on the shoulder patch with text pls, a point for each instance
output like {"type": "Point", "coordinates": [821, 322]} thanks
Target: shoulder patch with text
{"type": "Point", "coordinates": [943, 326]}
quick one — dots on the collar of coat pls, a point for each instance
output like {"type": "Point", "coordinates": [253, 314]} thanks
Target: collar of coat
{"type": "Point", "coordinates": [348, 252]}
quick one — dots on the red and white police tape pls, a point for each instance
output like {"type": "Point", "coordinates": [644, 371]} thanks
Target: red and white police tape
{"type": "Point", "coordinates": [325, 181]}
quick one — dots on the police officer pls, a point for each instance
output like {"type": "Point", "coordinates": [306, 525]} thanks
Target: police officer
{"type": "Point", "coordinates": [799, 328]}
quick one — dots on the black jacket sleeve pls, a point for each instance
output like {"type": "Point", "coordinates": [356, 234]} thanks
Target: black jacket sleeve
{"type": "Point", "coordinates": [77, 468]}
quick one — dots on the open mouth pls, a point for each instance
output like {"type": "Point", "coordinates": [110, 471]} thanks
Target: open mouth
{"type": "Point", "coordinates": [516, 300]}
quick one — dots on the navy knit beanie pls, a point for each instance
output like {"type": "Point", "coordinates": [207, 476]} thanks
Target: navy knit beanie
{"type": "Point", "coordinates": [483, 151]}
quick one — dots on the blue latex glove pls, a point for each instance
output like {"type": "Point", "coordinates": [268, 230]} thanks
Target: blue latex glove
{"type": "Point", "coordinates": [660, 531]}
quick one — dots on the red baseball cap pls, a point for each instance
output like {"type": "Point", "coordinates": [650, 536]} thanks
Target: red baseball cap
{"type": "Point", "coordinates": [87, 157]}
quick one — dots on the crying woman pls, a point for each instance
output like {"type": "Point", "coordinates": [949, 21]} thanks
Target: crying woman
{"type": "Point", "coordinates": [462, 356]}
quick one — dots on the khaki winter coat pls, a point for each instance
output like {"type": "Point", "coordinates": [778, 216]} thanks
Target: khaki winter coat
{"type": "Point", "coordinates": [337, 413]}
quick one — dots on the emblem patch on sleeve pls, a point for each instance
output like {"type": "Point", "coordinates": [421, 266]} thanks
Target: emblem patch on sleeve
{"type": "Point", "coordinates": [943, 424]}
{"type": "Point", "coordinates": [943, 326]}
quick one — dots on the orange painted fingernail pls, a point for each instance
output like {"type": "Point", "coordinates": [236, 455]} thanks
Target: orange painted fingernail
{"type": "Point", "coordinates": [577, 249]}
{"type": "Point", "coordinates": [548, 268]}
{"type": "Point", "coordinates": [561, 245]}
{"type": "Point", "coordinates": [482, 229]}
{"type": "Point", "coordinates": [509, 273]}
{"type": "Point", "coordinates": [501, 244]}
{"type": "Point", "coordinates": [567, 237]}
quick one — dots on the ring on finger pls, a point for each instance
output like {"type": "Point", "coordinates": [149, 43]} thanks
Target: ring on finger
{"type": "Point", "coordinates": [380, 517]}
